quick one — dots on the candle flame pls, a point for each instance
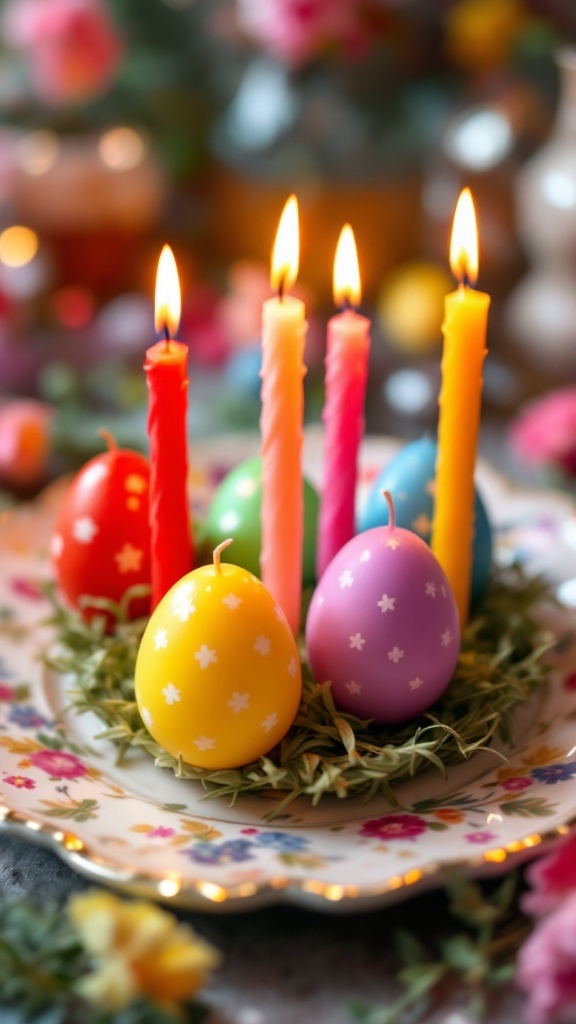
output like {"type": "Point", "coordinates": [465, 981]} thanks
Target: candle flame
{"type": "Point", "coordinates": [286, 251]}
{"type": "Point", "coordinates": [168, 304]}
{"type": "Point", "coordinates": [347, 288]}
{"type": "Point", "coordinates": [464, 242]}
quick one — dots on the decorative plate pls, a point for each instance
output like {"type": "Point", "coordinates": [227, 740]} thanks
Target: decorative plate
{"type": "Point", "coordinates": [143, 830]}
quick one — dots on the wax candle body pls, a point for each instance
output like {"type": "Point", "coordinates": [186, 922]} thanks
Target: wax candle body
{"type": "Point", "coordinates": [171, 538]}
{"type": "Point", "coordinates": [464, 330]}
{"type": "Point", "coordinates": [348, 346]}
{"type": "Point", "coordinates": [283, 336]}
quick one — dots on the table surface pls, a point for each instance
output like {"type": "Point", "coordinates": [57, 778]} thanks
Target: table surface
{"type": "Point", "coordinates": [281, 965]}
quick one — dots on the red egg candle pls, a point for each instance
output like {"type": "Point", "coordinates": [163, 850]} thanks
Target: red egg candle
{"type": "Point", "coordinates": [383, 625]}
{"type": "Point", "coordinates": [166, 375]}
{"type": "Point", "coordinates": [101, 543]}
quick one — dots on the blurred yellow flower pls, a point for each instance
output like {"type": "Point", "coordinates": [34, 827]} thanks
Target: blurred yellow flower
{"type": "Point", "coordinates": [138, 950]}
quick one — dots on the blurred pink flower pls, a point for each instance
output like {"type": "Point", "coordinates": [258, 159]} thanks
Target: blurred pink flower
{"type": "Point", "coordinates": [58, 764]}
{"type": "Point", "coordinates": [72, 48]}
{"type": "Point", "coordinates": [545, 432]}
{"type": "Point", "coordinates": [394, 826]}
{"type": "Point", "coordinates": [546, 967]}
{"type": "Point", "coordinates": [296, 30]}
{"type": "Point", "coordinates": [516, 784]}
{"type": "Point", "coordinates": [24, 441]}
{"type": "Point", "coordinates": [551, 877]}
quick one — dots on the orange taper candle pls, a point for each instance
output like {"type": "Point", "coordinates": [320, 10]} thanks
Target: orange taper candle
{"type": "Point", "coordinates": [283, 336]}
{"type": "Point", "coordinates": [166, 375]}
{"type": "Point", "coordinates": [464, 329]}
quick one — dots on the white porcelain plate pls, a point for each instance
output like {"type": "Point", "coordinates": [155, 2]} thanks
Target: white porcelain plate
{"type": "Point", "coordinates": [143, 830]}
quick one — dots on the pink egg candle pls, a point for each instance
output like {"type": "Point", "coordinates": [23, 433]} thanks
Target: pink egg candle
{"type": "Point", "coordinates": [383, 626]}
{"type": "Point", "coordinates": [347, 351]}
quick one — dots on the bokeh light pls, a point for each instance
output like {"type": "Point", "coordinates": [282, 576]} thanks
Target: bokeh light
{"type": "Point", "coordinates": [38, 152]}
{"type": "Point", "coordinates": [18, 245]}
{"type": "Point", "coordinates": [73, 306]}
{"type": "Point", "coordinates": [122, 149]}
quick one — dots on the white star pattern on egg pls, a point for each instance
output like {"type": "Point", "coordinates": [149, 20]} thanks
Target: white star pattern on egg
{"type": "Point", "coordinates": [430, 590]}
{"type": "Point", "coordinates": [57, 545]}
{"type": "Point", "coordinates": [262, 645]}
{"type": "Point", "coordinates": [292, 667]}
{"type": "Point", "coordinates": [129, 559]}
{"type": "Point", "coordinates": [270, 722]}
{"type": "Point", "coordinates": [357, 642]}
{"type": "Point", "coordinates": [386, 604]}
{"type": "Point", "coordinates": [182, 607]}
{"type": "Point", "coordinates": [392, 543]}
{"type": "Point", "coordinates": [415, 684]}
{"type": "Point", "coordinates": [395, 655]}
{"type": "Point", "coordinates": [160, 639]}
{"type": "Point", "coordinates": [346, 579]}
{"type": "Point", "coordinates": [365, 556]}
{"type": "Point", "coordinates": [232, 602]}
{"type": "Point", "coordinates": [147, 718]}
{"type": "Point", "coordinates": [84, 530]}
{"type": "Point", "coordinates": [205, 743]}
{"type": "Point", "coordinates": [446, 637]}
{"type": "Point", "coordinates": [171, 693]}
{"type": "Point", "coordinates": [205, 656]}
{"type": "Point", "coordinates": [239, 702]}
{"type": "Point", "coordinates": [353, 687]}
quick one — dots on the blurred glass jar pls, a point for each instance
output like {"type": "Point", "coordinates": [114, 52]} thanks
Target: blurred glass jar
{"type": "Point", "coordinates": [541, 311]}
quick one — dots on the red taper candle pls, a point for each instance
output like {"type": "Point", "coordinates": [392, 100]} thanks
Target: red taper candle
{"type": "Point", "coordinates": [166, 364]}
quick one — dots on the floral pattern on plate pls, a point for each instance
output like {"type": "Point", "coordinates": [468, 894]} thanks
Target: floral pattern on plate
{"type": "Point", "coordinates": [138, 827]}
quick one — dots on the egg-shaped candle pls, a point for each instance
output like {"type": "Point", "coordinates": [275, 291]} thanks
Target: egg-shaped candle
{"type": "Point", "coordinates": [218, 678]}
{"type": "Point", "coordinates": [101, 542]}
{"type": "Point", "coordinates": [383, 625]}
{"type": "Point", "coordinates": [236, 508]}
{"type": "Point", "coordinates": [409, 476]}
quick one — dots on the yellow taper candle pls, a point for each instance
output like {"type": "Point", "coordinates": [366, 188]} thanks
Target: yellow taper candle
{"type": "Point", "coordinates": [283, 336]}
{"type": "Point", "coordinates": [464, 329]}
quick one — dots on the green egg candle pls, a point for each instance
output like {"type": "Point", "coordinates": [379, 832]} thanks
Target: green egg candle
{"type": "Point", "coordinates": [235, 509]}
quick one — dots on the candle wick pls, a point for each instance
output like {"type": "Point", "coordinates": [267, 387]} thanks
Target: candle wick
{"type": "Point", "coordinates": [391, 509]}
{"type": "Point", "coordinates": [465, 282]}
{"type": "Point", "coordinates": [217, 552]}
{"type": "Point", "coordinates": [281, 286]}
{"type": "Point", "coordinates": [167, 337]}
{"type": "Point", "coordinates": [346, 304]}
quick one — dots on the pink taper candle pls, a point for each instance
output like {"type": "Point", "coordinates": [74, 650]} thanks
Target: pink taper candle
{"type": "Point", "coordinates": [348, 347]}
{"type": "Point", "coordinates": [283, 336]}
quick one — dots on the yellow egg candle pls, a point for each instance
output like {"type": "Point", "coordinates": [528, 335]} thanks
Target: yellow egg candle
{"type": "Point", "coordinates": [218, 679]}
{"type": "Point", "coordinates": [464, 328]}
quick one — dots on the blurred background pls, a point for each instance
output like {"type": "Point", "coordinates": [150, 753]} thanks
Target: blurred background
{"type": "Point", "coordinates": [126, 124]}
